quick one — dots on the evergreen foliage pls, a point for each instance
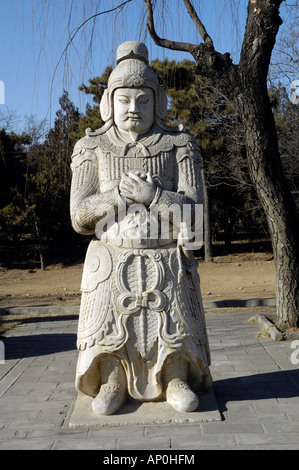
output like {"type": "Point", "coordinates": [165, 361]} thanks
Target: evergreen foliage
{"type": "Point", "coordinates": [35, 176]}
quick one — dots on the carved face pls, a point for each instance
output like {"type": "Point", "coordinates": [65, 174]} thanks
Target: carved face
{"type": "Point", "coordinates": [133, 109]}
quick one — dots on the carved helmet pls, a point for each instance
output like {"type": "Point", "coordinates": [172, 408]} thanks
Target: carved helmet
{"type": "Point", "coordinates": [133, 70]}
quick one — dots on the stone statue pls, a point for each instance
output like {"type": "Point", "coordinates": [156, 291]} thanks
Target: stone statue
{"type": "Point", "coordinates": [141, 331]}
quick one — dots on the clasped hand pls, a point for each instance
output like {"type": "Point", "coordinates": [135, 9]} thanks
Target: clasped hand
{"type": "Point", "coordinates": [137, 187]}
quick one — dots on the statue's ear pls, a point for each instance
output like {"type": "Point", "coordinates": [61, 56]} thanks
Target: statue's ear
{"type": "Point", "coordinates": [105, 107]}
{"type": "Point", "coordinates": [162, 103]}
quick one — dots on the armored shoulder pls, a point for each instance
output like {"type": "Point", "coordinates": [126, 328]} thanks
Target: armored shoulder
{"type": "Point", "coordinates": [84, 150]}
{"type": "Point", "coordinates": [188, 148]}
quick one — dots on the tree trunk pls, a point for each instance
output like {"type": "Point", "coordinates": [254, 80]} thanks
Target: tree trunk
{"type": "Point", "coordinates": [40, 246]}
{"type": "Point", "coordinates": [207, 221]}
{"type": "Point", "coordinates": [279, 207]}
{"type": "Point", "coordinates": [263, 155]}
{"type": "Point", "coordinates": [248, 83]}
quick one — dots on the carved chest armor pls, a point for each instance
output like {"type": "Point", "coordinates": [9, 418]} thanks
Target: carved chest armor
{"type": "Point", "coordinates": [111, 167]}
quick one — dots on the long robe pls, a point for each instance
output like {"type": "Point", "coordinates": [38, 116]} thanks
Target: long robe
{"type": "Point", "coordinates": [141, 296]}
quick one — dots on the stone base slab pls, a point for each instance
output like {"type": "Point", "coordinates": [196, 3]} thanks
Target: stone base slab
{"type": "Point", "coordinates": [136, 413]}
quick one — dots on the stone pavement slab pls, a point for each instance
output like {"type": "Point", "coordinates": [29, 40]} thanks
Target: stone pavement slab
{"type": "Point", "coordinates": [256, 386]}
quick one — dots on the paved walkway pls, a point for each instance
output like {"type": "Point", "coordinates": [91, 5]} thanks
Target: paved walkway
{"type": "Point", "coordinates": [255, 383]}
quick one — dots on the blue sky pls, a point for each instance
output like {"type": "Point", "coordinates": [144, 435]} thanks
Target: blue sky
{"type": "Point", "coordinates": [34, 34]}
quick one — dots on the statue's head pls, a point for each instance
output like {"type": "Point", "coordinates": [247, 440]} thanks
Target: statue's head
{"type": "Point", "coordinates": [134, 81]}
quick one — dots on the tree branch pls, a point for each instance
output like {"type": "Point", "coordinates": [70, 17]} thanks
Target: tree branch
{"type": "Point", "coordinates": [174, 45]}
{"type": "Point", "coordinates": [209, 62]}
{"type": "Point", "coordinates": [262, 26]}
{"type": "Point", "coordinates": [72, 36]}
{"type": "Point", "coordinates": [199, 26]}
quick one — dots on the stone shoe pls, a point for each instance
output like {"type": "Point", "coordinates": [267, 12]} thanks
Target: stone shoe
{"type": "Point", "coordinates": [109, 399]}
{"type": "Point", "coordinates": [180, 396]}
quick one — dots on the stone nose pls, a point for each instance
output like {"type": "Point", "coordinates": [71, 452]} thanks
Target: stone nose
{"type": "Point", "coordinates": [134, 107]}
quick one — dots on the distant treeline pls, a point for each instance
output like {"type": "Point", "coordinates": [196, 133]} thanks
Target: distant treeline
{"type": "Point", "coordinates": [35, 172]}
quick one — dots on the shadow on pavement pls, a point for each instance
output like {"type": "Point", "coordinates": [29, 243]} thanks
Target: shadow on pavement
{"type": "Point", "coordinates": [23, 346]}
{"type": "Point", "coordinates": [280, 384]}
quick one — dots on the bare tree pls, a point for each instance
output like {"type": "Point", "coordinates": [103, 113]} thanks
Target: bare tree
{"type": "Point", "coordinates": [247, 83]}
{"type": "Point", "coordinates": [8, 119]}
{"type": "Point", "coordinates": [284, 64]}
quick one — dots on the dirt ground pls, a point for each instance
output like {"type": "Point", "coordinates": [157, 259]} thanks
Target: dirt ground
{"type": "Point", "coordinates": [240, 276]}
